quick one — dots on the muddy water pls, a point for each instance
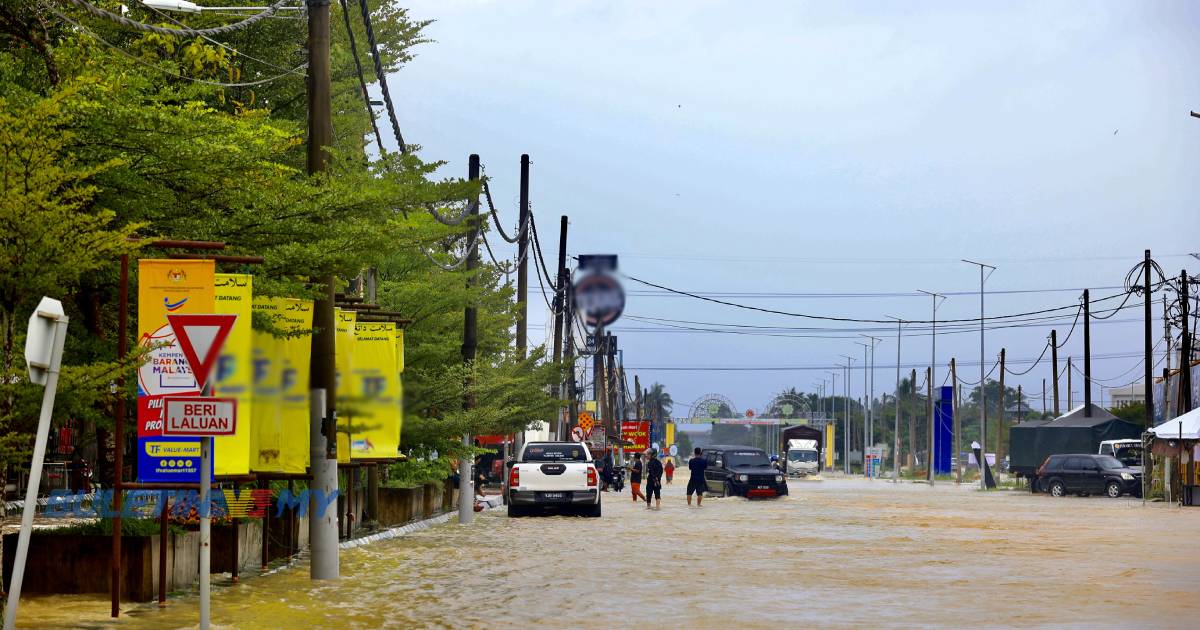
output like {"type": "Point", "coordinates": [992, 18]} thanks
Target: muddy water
{"type": "Point", "coordinates": [835, 553]}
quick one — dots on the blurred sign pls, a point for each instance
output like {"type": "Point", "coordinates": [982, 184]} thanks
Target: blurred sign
{"type": "Point", "coordinates": [637, 432]}
{"type": "Point", "coordinates": [599, 298]}
{"type": "Point", "coordinates": [586, 422]}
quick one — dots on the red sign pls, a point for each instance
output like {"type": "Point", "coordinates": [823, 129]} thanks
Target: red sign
{"type": "Point", "coordinates": [637, 432]}
{"type": "Point", "coordinates": [200, 338]}
{"type": "Point", "coordinates": [199, 416]}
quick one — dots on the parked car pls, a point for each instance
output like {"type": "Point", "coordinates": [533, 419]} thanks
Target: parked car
{"type": "Point", "coordinates": [559, 476]}
{"type": "Point", "coordinates": [742, 471]}
{"type": "Point", "coordinates": [1086, 473]}
{"type": "Point", "coordinates": [1128, 451]}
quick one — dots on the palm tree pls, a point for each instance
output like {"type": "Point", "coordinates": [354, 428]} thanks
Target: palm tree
{"type": "Point", "coordinates": [657, 402]}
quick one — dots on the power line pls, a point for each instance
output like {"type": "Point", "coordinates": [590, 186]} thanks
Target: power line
{"type": "Point", "coordinates": [175, 32]}
{"type": "Point", "coordinates": [362, 80]}
{"type": "Point", "coordinates": [381, 76]}
{"type": "Point", "coordinates": [835, 295]}
{"type": "Point", "coordinates": [169, 73]}
{"type": "Point", "coordinates": [793, 368]}
{"type": "Point", "coordinates": [849, 319]}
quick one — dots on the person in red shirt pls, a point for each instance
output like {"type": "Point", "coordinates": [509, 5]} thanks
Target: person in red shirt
{"type": "Point", "coordinates": [669, 469]}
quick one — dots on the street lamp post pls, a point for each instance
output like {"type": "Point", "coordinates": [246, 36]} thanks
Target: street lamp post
{"type": "Point", "coordinates": [896, 429]}
{"type": "Point", "coordinates": [846, 425]}
{"type": "Point", "coordinates": [982, 385]}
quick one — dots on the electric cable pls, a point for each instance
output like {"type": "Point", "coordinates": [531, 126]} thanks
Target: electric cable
{"type": "Point", "coordinates": [1072, 330]}
{"type": "Point", "coordinates": [1035, 363]}
{"type": "Point", "coordinates": [362, 80]}
{"type": "Point", "coordinates": [487, 194]}
{"type": "Point", "coordinates": [175, 32]}
{"type": "Point", "coordinates": [847, 319]}
{"type": "Point", "coordinates": [381, 76]}
{"type": "Point", "coordinates": [505, 269]}
{"type": "Point", "coordinates": [156, 68]}
{"type": "Point", "coordinates": [537, 248]}
{"type": "Point", "coordinates": [210, 40]}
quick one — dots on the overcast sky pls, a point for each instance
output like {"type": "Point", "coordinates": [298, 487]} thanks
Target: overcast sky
{"type": "Point", "coordinates": [830, 148]}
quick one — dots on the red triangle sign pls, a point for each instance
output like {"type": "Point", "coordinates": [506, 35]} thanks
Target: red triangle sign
{"type": "Point", "coordinates": [201, 338]}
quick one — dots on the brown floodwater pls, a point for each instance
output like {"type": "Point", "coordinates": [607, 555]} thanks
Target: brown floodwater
{"type": "Point", "coordinates": [836, 553]}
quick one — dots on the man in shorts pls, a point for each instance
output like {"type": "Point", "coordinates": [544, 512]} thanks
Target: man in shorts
{"type": "Point", "coordinates": [654, 474]}
{"type": "Point", "coordinates": [696, 484]}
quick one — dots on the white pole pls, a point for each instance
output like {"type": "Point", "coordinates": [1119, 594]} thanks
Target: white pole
{"type": "Point", "coordinates": [322, 513]}
{"type": "Point", "coordinates": [205, 532]}
{"type": "Point", "coordinates": [466, 486]}
{"type": "Point", "coordinates": [896, 431]}
{"type": "Point", "coordinates": [35, 473]}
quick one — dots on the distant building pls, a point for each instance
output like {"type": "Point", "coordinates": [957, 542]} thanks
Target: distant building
{"type": "Point", "coordinates": [1128, 395]}
{"type": "Point", "coordinates": [1018, 411]}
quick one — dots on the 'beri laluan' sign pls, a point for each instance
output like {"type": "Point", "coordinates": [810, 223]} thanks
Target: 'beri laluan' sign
{"type": "Point", "coordinates": [199, 416]}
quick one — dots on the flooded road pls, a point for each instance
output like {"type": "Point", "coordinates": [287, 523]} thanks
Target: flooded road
{"type": "Point", "coordinates": [835, 553]}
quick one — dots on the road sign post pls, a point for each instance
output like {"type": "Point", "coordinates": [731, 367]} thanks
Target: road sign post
{"type": "Point", "coordinates": [200, 338]}
{"type": "Point", "coordinates": [43, 354]}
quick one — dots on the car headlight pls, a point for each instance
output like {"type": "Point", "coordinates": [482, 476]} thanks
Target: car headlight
{"type": "Point", "coordinates": [778, 478]}
{"type": "Point", "coordinates": [743, 477]}
{"type": "Point", "coordinates": [1127, 476]}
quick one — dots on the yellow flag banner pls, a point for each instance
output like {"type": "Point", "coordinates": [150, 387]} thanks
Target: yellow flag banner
{"type": "Point", "coordinates": [280, 413]}
{"type": "Point", "coordinates": [399, 385]}
{"type": "Point", "coordinates": [829, 446]}
{"type": "Point", "coordinates": [375, 412]}
{"type": "Point", "coordinates": [234, 374]}
{"type": "Point", "coordinates": [344, 358]}
{"type": "Point", "coordinates": [167, 287]}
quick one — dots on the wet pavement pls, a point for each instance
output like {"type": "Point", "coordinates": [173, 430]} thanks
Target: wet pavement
{"type": "Point", "coordinates": [835, 553]}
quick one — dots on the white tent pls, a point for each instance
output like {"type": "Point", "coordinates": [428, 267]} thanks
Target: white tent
{"type": "Point", "coordinates": [1186, 427]}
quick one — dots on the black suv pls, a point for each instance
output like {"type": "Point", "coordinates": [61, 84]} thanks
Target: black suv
{"type": "Point", "coordinates": [1088, 474]}
{"type": "Point", "coordinates": [742, 471]}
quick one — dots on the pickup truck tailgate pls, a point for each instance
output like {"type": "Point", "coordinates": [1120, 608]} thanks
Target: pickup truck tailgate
{"type": "Point", "coordinates": [553, 476]}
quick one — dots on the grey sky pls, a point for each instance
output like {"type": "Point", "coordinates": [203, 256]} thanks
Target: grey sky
{"type": "Point", "coordinates": [830, 147]}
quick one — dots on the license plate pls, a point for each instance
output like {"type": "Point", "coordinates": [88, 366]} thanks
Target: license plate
{"type": "Point", "coordinates": [551, 496]}
{"type": "Point", "coordinates": [764, 487]}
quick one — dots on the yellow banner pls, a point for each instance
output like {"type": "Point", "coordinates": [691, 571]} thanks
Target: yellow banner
{"type": "Point", "coordinates": [344, 341]}
{"type": "Point", "coordinates": [670, 434]}
{"type": "Point", "coordinates": [234, 374]}
{"type": "Point", "coordinates": [829, 446]}
{"type": "Point", "coordinates": [280, 413]}
{"type": "Point", "coordinates": [374, 415]}
{"type": "Point", "coordinates": [399, 386]}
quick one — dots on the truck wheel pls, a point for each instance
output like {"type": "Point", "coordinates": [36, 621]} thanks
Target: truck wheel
{"type": "Point", "coordinates": [592, 511]}
{"type": "Point", "coordinates": [1113, 490]}
{"type": "Point", "coordinates": [1058, 489]}
{"type": "Point", "coordinates": [515, 511]}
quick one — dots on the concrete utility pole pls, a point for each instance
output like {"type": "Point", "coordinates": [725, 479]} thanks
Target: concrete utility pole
{"type": "Point", "coordinates": [1000, 418]}
{"type": "Point", "coordinates": [912, 424]}
{"type": "Point", "coordinates": [466, 481]}
{"type": "Point", "coordinates": [1148, 377]}
{"type": "Point", "coordinates": [957, 423]}
{"type": "Point", "coordinates": [871, 396]}
{"type": "Point", "coordinates": [929, 393]}
{"type": "Point", "coordinates": [1087, 355]}
{"type": "Point", "coordinates": [865, 440]}
{"type": "Point", "coordinates": [1054, 368]}
{"type": "Point", "coordinates": [932, 375]}
{"type": "Point", "coordinates": [846, 387]}
{"type": "Point", "coordinates": [896, 420]}
{"type": "Point", "coordinates": [1185, 338]}
{"type": "Point", "coordinates": [1070, 387]}
{"type": "Point", "coordinates": [572, 386]}
{"type": "Point", "coordinates": [522, 339]}
{"type": "Point", "coordinates": [1043, 397]}
{"type": "Point", "coordinates": [982, 382]}
{"type": "Point", "coordinates": [322, 528]}
{"type": "Point", "coordinates": [523, 262]}
{"type": "Point", "coordinates": [560, 308]}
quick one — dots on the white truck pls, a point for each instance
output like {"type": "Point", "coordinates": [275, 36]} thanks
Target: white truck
{"type": "Point", "coordinates": [559, 476]}
{"type": "Point", "coordinates": [802, 458]}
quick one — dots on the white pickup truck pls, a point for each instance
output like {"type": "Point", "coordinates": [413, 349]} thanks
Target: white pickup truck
{"type": "Point", "coordinates": [553, 475]}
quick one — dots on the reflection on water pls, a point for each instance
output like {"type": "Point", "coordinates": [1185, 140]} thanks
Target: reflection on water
{"type": "Point", "coordinates": [834, 553]}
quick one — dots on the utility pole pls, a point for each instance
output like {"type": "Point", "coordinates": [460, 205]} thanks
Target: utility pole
{"type": "Point", "coordinates": [866, 348]}
{"type": "Point", "coordinates": [1087, 355]}
{"type": "Point", "coordinates": [1000, 418]}
{"type": "Point", "coordinates": [1185, 338]}
{"type": "Point", "coordinates": [560, 301]}
{"type": "Point", "coordinates": [1020, 405]}
{"type": "Point", "coordinates": [522, 339]}
{"type": "Point", "coordinates": [523, 262]}
{"type": "Point", "coordinates": [912, 424]}
{"type": "Point", "coordinates": [957, 424]}
{"type": "Point", "coordinates": [1054, 367]}
{"type": "Point", "coordinates": [322, 528]}
{"type": "Point", "coordinates": [846, 387]}
{"type": "Point", "coordinates": [1043, 397]}
{"type": "Point", "coordinates": [832, 405]}
{"type": "Point", "coordinates": [572, 386]}
{"type": "Point", "coordinates": [871, 397]}
{"type": "Point", "coordinates": [929, 420]}
{"type": "Point", "coordinates": [932, 375]}
{"type": "Point", "coordinates": [1167, 365]}
{"type": "Point", "coordinates": [982, 382]}
{"type": "Point", "coordinates": [896, 420]}
{"type": "Point", "coordinates": [1070, 387]}
{"type": "Point", "coordinates": [1148, 377]}
{"type": "Point", "coordinates": [466, 483]}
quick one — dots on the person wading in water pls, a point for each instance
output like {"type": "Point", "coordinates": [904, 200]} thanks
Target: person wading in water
{"type": "Point", "coordinates": [654, 474]}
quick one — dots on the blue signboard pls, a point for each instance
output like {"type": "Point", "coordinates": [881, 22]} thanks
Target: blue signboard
{"type": "Point", "coordinates": [943, 413]}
